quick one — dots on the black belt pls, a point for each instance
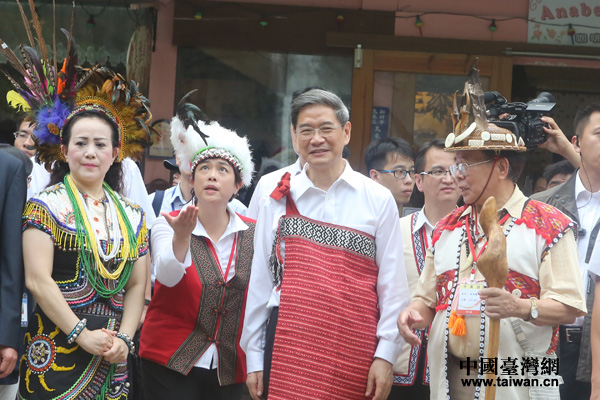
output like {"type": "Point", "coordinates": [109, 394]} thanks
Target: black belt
{"type": "Point", "coordinates": [571, 334]}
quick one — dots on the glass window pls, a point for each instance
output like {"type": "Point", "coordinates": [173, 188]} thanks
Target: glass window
{"type": "Point", "coordinates": [415, 107]}
{"type": "Point", "coordinates": [251, 92]}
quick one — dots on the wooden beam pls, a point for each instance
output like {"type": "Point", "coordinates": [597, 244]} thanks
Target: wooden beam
{"type": "Point", "coordinates": [288, 29]}
{"type": "Point", "coordinates": [501, 77]}
{"type": "Point", "coordinates": [438, 45]}
{"type": "Point", "coordinates": [362, 93]}
{"type": "Point", "coordinates": [422, 63]}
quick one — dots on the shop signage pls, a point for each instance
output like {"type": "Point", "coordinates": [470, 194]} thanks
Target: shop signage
{"type": "Point", "coordinates": [567, 22]}
{"type": "Point", "coordinates": [380, 123]}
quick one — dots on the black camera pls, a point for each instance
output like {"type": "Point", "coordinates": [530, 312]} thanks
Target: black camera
{"type": "Point", "coordinates": [522, 119]}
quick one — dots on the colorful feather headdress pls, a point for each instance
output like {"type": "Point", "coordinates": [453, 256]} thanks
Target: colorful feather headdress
{"type": "Point", "coordinates": [52, 97]}
{"type": "Point", "coordinates": [195, 139]}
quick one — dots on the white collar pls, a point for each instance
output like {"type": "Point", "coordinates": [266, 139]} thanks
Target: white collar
{"type": "Point", "coordinates": [422, 220]}
{"type": "Point", "coordinates": [236, 224]}
{"type": "Point", "coordinates": [581, 193]}
{"type": "Point", "coordinates": [177, 194]}
{"type": "Point", "coordinates": [301, 183]}
{"type": "Point", "coordinates": [295, 168]}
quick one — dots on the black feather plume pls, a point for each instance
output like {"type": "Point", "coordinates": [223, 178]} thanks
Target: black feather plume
{"type": "Point", "coordinates": [188, 114]}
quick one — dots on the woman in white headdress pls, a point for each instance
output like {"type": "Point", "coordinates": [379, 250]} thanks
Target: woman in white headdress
{"type": "Point", "coordinates": [202, 255]}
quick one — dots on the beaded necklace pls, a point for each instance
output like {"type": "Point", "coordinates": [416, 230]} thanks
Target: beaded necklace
{"type": "Point", "coordinates": [100, 278]}
{"type": "Point", "coordinates": [482, 310]}
{"type": "Point", "coordinates": [113, 231]}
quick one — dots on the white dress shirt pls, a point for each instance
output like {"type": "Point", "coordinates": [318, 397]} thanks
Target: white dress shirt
{"type": "Point", "coordinates": [353, 201]}
{"type": "Point", "coordinates": [135, 189]}
{"type": "Point", "coordinates": [588, 209]}
{"type": "Point", "coordinates": [40, 178]}
{"type": "Point", "coordinates": [423, 220]}
{"type": "Point", "coordinates": [172, 199]}
{"type": "Point", "coordinates": [267, 184]}
{"type": "Point", "coordinates": [169, 271]}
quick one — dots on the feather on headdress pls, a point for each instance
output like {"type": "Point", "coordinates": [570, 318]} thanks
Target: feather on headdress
{"type": "Point", "coordinates": [195, 140]}
{"type": "Point", "coordinates": [52, 97]}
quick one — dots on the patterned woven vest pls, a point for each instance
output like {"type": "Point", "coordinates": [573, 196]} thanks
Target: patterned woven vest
{"type": "Point", "coordinates": [220, 315]}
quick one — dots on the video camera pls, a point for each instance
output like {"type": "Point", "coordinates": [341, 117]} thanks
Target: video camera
{"type": "Point", "coordinates": [522, 119]}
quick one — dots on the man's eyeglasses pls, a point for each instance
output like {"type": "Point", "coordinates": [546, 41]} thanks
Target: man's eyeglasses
{"type": "Point", "coordinates": [23, 136]}
{"type": "Point", "coordinates": [398, 173]}
{"type": "Point", "coordinates": [308, 132]}
{"type": "Point", "coordinates": [463, 168]}
{"type": "Point", "coordinates": [436, 172]}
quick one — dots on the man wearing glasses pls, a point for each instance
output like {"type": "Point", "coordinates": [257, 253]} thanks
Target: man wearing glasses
{"type": "Point", "coordinates": [390, 162]}
{"type": "Point", "coordinates": [433, 179]}
{"type": "Point", "coordinates": [24, 138]}
{"type": "Point", "coordinates": [331, 330]}
{"type": "Point", "coordinates": [543, 288]}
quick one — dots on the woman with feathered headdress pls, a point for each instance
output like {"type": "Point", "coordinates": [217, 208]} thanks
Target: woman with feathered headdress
{"type": "Point", "coordinates": [84, 244]}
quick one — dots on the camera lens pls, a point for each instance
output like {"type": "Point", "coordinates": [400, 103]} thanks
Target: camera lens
{"type": "Point", "coordinates": [544, 97]}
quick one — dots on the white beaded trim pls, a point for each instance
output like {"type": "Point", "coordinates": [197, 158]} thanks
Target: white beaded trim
{"type": "Point", "coordinates": [509, 137]}
{"type": "Point", "coordinates": [485, 136]}
{"type": "Point", "coordinates": [498, 137]}
{"type": "Point", "coordinates": [475, 143]}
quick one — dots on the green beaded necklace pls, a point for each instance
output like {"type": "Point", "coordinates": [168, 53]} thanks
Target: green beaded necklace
{"type": "Point", "coordinates": [86, 240]}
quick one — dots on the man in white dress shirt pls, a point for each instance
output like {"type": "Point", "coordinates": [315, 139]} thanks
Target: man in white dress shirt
{"type": "Point", "coordinates": [337, 235]}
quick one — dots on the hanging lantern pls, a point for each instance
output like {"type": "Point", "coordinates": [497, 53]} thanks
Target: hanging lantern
{"type": "Point", "coordinates": [339, 19]}
{"type": "Point", "coordinates": [419, 24]}
{"type": "Point", "coordinates": [198, 16]}
{"type": "Point", "coordinates": [493, 26]}
{"type": "Point", "coordinates": [571, 32]}
{"type": "Point", "coordinates": [90, 22]}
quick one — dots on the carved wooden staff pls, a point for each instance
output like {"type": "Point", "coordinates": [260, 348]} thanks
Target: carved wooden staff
{"type": "Point", "coordinates": [494, 267]}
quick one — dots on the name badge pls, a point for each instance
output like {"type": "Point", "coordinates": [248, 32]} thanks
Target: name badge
{"type": "Point", "coordinates": [24, 321]}
{"type": "Point", "coordinates": [469, 302]}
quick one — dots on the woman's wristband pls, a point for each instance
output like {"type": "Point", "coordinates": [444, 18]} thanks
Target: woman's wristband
{"type": "Point", "coordinates": [77, 330]}
{"type": "Point", "coordinates": [125, 337]}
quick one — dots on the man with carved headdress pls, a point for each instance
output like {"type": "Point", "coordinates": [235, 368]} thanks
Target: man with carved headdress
{"type": "Point", "coordinates": [543, 288]}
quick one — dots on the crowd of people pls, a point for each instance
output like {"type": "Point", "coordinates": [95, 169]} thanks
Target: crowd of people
{"type": "Point", "coordinates": [323, 288]}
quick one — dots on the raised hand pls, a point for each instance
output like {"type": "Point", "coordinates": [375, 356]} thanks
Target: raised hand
{"type": "Point", "coordinates": [183, 224]}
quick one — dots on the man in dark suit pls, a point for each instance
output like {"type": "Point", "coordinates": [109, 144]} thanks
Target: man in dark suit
{"type": "Point", "coordinates": [13, 189]}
